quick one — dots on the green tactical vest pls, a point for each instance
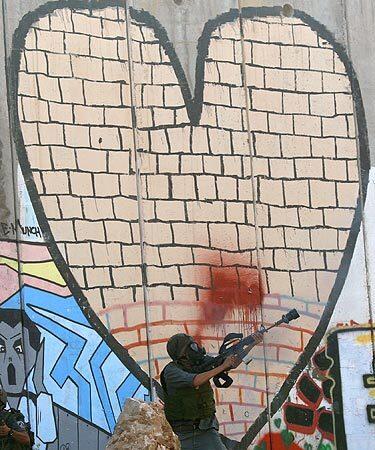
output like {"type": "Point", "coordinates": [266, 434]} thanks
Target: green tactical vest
{"type": "Point", "coordinates": [8, 443]}
{"type": "Point", "coordinates": [190, 403]}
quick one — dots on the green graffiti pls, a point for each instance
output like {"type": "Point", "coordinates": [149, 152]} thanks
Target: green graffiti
{"type": "Point", "coordinates": [277, 422]}
{"type": "Point", "coordinates": [324, 447]}
{"type": "Point", "coordinates": [287, 437]}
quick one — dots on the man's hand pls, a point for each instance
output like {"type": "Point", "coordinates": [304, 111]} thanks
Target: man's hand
{"type": "Point", "coordinates": [4, 429]}
{"type": "Point", "coordinates": [231, 362]}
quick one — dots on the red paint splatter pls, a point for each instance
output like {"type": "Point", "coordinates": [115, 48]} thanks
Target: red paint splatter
{"type": "Point", "coordinates": [236, 295]}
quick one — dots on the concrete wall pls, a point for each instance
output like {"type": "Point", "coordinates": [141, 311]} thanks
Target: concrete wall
{"type": "Point", "coordinates": [198, 167]}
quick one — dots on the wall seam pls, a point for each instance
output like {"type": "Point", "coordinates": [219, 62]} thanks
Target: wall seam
{"type": "Point", "coordinates": [254, 202]}
{"type": "Point", "coordinates": [141, 220]}
{"type": "Point", "coordinates": [14, 165]}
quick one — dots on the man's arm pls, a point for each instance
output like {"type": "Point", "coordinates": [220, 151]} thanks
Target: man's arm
{"type": "Point", "coordinates": [203, 377]}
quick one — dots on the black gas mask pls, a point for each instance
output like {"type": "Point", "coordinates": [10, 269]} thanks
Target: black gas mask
{"type": "Point", "coordinates": [182, 348]}
{"type": "Point", "coordinates": [195, 353]}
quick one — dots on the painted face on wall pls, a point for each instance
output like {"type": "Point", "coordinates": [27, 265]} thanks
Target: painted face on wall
{"type": "Point", "coordinates": [13, 346]}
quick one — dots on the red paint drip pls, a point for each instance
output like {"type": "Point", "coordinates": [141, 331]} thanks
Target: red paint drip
{"type": "Point", "coordinates": [236, 295]}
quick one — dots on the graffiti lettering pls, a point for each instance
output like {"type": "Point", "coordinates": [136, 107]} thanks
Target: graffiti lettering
{"type": "Point", "coordinates": [369, 381]}
{"type": "Point", "coordinates": [7, 229]}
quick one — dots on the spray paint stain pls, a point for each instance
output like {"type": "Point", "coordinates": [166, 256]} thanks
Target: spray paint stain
{"type": "Point", "coordinates": [235, 298]}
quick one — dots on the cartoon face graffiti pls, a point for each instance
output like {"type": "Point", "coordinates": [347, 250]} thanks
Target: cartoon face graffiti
{"type": "Point", "coordinates": [18, 336]}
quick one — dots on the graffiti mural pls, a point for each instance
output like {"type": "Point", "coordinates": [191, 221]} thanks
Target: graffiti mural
{"type": "Point", "coordinates": [55, 367]}
{"type": "Point", "coordinates": [212, 211]}
{"type": "Point", "coordinates": [315, 413]}
{"type": "Point", "coordinates": [306, 418]}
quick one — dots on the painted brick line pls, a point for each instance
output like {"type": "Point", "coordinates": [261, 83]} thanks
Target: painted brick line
{"type": "Point", "coordinates": [245, 373]}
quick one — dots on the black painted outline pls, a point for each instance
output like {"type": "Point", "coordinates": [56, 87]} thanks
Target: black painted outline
{"type": "Point", "coordinates": [342, 271]}
{"type": "Point", "coordinates": [18, 43]}
{"type": "Point", "coordinates": [194, 108]}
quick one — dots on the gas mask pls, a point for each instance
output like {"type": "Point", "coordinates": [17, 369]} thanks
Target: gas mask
{"type": "Point", "coordinates": [195, 353]}
{"type": "Point", "coordinates": [182, 348]}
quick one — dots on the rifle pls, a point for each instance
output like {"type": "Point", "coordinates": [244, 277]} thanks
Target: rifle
{"type": "Point", "coordinates": [228, 348]}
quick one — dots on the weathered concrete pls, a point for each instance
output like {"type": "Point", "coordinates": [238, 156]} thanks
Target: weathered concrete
{"type": "Point", "coordinates": [184, 21]}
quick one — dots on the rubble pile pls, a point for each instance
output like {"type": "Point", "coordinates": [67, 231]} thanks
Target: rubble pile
{"type": "Point", "coordinates": [143, 426]}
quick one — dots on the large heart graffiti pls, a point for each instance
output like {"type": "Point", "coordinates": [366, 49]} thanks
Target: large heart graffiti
{"type": "Point", "coordinates": [223, 188]}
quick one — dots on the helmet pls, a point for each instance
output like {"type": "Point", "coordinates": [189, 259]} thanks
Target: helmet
{"type": "Point", "coordinates": [182, 344]}
{"type": "Point", "coordinates": [177, 345]}
{"type": "Point", "coordinates": [3, 398]}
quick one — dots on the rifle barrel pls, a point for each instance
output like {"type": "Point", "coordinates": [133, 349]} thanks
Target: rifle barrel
{"type": "Point", "coordinates": [276, 324]}
{"type": "Point", "coordinates": [236, 349]}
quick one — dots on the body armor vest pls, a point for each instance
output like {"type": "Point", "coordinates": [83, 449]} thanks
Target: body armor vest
{"type": "Point", "coordinates": [189, 403]}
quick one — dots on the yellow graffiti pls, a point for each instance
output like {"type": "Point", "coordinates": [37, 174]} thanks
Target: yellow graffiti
{"type": "Point", "coordinates": [371, 392]}
{"type": "Point", "coordinates": [45, 270]}
{"type": "Point", "coordinates": [364, 339]}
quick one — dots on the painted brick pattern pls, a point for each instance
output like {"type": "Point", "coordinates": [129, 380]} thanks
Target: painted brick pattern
{"type": "Point", "coordinates": [301, 115]}
{"type": "Point", "coordinates": [239, 405]}
{"type": "Point", "coordinates": [74, 108]}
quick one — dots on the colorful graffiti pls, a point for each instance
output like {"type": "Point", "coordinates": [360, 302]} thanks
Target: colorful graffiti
{"type": "Point", "coordinates": [55, 367]}
{"type": "Point", "coordinates": [305, 420]}
{"type": "Point", "coordinates": [145, 197]}
{"type": "Point", "coordinates": [309, 415]}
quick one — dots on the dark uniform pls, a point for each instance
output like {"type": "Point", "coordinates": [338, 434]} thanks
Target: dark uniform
{"type": "Point", "coordinates": [190, 410]}
{"type": "Point", "coordinates": [15, 421]}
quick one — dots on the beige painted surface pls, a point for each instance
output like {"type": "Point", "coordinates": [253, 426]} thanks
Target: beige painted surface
{"type": "Point", "coordinates": [197, 197]}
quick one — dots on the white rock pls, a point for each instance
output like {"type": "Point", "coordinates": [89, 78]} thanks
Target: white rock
{"type": "Point", "coordinates": [143, 426]}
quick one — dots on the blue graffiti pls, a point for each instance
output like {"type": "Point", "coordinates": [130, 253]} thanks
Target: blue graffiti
{"type": "Point", "coordinates": [80, 370]}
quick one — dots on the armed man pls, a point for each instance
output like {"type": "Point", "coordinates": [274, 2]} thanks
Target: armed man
{"type": "Point", "coordinates": [189, 398]}
{"type": "Point", "coordinates": [14, 434]}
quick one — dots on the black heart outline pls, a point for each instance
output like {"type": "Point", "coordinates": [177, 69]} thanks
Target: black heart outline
{"type": "Point", "coordinates": [194, 109]}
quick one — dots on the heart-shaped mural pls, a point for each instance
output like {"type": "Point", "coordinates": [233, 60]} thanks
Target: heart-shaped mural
{"type": "Point", "coordinates": [222, 186]}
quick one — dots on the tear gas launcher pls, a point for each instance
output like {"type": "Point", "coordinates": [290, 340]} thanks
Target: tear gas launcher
{"type": "Point", "coordinates": [235, 344]}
